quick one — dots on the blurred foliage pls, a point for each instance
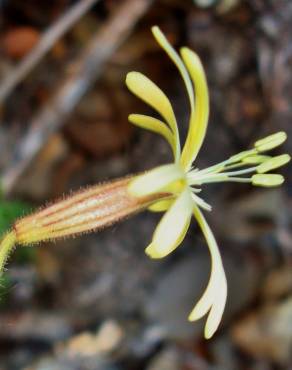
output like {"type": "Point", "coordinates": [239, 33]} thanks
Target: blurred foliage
{"type": "Point", "coordinates": [9, 212]}
{"type": "Point", "coordinates": [5, 285]}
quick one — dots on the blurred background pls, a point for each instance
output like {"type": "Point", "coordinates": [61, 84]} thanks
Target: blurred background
{"type": "Point", "coordinates": [97, 302]}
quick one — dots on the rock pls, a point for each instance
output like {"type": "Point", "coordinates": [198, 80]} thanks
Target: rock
{"type": "Point", "coordinates": [174, 357]}
{"type": "Point", "coordinates": [106, 340]}
{"type": "Point", "coordinates": [223, 353]}
{"type": "Point", "coordinates": [226, 5]}
{"type": "Point", "coordinates": [112, 278]}
{"type": "Point", "coordinates": [34, 325]}
{"type": "Point", "coordinates": [86, 350]}
{"type": "Point", "coordinates": [168, 359]}
{"type": "Point", "coordinates": [267, 333]}
{"type": "Point", "coordinates": [61, 363]}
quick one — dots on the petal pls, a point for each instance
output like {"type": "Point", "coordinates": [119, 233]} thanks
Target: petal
{"type": "Point", "coordinates": [172, 228]}
{"type": "Point", "coordinates": [173, 55]}
{"type": "Point", "coordinates": [155, 180]}
{"type": "Point", "coordinates": [146, 90]}
{"type": "Point", "coordinates": [161, 206]}
{"type": "Point", "coordinates": [216, 312]}
{"type": "Point", "coordinates": [155, 125]}
{"type": "Point", "coordinates": [206, 301]}
{"type": "Point", "coordinates": [199, 117]}
{"type": "Point", "coordinates": [215, 295]}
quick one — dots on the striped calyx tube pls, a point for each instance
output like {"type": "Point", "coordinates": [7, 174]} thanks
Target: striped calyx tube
{"type": "Point", "coordinates": [86, 210]}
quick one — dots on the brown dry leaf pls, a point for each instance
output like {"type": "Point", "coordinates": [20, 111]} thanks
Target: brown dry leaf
{"type": "Point", "coordinates": [19, 41]}
{"type": "Point", "coordinates": [99, 138]}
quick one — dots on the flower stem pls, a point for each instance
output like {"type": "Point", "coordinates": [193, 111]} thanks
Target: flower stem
{"type": "Point", "coordinates": [6, 246]}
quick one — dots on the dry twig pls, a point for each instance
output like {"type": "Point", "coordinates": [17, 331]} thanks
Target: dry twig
{"type": "Point", "coordinates": [83, 72]}
{"type": "Point", "coordinates": [48, 39]}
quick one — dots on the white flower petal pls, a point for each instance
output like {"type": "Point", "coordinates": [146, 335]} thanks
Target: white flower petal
{"type": "Point", "coordinates": [174, 56]}
{"type": "Point", "coordinates": [205, 303]}
{"type": "Point", "coordinates": [216, 312]}
{"type": "Point", "coordinates": [154, 125]}
{"type": "Point", "coordinates": [155, 180]}
{"type": "Point", "coordinates": [172, 228]}
{"type": "Point", "coordinates": [215, 295]}
{"type": "Point", "coordinates": [199, 116]}
{"type": "Point", "coordinates": [151, 94]}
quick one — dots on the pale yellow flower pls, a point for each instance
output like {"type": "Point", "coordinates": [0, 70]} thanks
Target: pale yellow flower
{"type": "Point", "coordinates": [183, 181]}
{"type": "Point", "coordinates": [172, 188]}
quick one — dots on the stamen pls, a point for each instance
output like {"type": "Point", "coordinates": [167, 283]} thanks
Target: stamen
{"type": "Point", "coordinates": [241, 172]}
{"type": "Point", "coordinates": [229, 179]}
{"type": "Point", "coordinates": [270, 142]}
{"type": "Point", "coordinates": [240, 156]}
{"type": "Point", "coordinates": [200, 202]}
{"type": "Point", "coordinates": [256, 159]}
{"type": "Point", "coordinates": [268, 180]}
{"type": "Point", "coordinates": [199, 180]}
{"type": "Point", "coordinates": [273, 163]}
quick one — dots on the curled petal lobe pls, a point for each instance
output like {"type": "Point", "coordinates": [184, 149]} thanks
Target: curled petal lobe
{"type": "Point", "coordinates": [163, 42]}
{"type": "Point", "coordinates": [172, 228]}
{"type": "Point", "coordinates": [154, 125]}
{"type": "Point", "coordinates": [155, 180]}
{"type": "Point", "coordinates": [214, 297]}
{"type": "Point", "coordinates": [217, 309]}
{"type": "Point", "coordinates": [151, 94]}
{"type": "Point", "coordinates": [199, 116]}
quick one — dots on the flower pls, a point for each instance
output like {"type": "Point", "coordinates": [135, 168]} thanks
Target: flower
{"type": "Point", "coordinates": [183, 181]}
{"type": "Point", "coordinates": [172, 188]}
